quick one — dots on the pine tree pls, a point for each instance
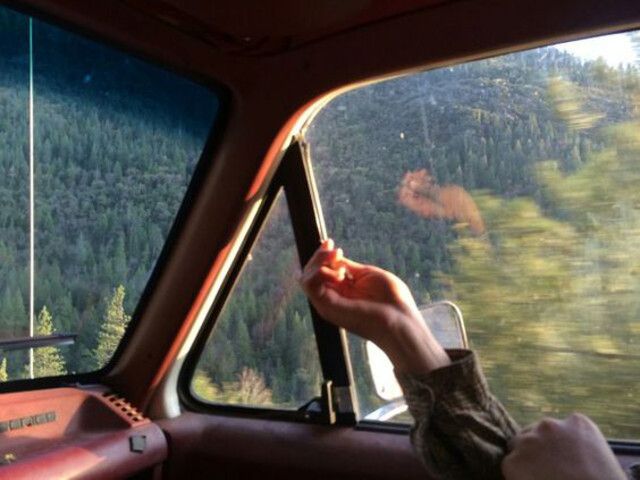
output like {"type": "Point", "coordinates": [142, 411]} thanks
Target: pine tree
{"type": "Point", "coordinates": [120, 260]}
{"type": "Point", "coordinates": [3, 371]}
{"type": "Point", "coordinates": [47, 361]}
{"type": "Point", "coordinates": [112, 329]}
{"type": "Point", "coordinates": [242, 344]}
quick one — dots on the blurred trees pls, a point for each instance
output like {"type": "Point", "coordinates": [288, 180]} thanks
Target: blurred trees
{"type": "Point", "coordinates": [547, 147]}
{"type": "Point", "coordinates": [248, 389]}
{"type": "Point", "coordinates": [558, 288]}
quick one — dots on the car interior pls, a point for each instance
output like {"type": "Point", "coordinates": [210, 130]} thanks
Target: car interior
{"type": "Point", "coordinates": [239, 86]}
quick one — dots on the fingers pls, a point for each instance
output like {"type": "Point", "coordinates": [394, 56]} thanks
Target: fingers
{"type": "Point", "coordinates": [533, 452]}
{"type": "Point", "coordinates": [511, 467]}
{"type": "Point", "coordinates": [324, 255]}
{"type": "Point", "coordinates": [333, 301]}
{"type": "Point", "coordinates": [517, 448]}
{"type": "Point", "coordinates": [582, 421]}
{"type": "Point", "coordinates": [323, 268]}
{"type": "Point", "coordinates": [328, 269]}
{"type": "Point", "coordinates": [532, 427]}
{"type": "Point", "coordinates": [352, 265]}
{"type": "Point", "coordinates": [337, 258]}
{"type": "Point", "coordinates": [524, 436]}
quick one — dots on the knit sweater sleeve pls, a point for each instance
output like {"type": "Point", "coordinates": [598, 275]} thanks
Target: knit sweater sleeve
{"type": "Point", "coordinates": [461, 430]}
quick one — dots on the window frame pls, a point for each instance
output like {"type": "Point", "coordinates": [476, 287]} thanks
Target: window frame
{"type": "Point", "coordinates": [293, 177]}
{"type": "Point", "coordinates": [212, 140]}
{"type": "Point", "coordinates": [288, 176]}
{"type": "Point", "coordinates": [304, 241]}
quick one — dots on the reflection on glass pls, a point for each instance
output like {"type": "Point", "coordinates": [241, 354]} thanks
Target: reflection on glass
{"type": "Point", "coordinates": [512, 187]}
{"type": "Point", "coordinates": [422, 196]}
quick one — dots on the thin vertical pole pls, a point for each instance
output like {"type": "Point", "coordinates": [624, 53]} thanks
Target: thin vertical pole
{"type": "Point", "coordinates": [31, 201]}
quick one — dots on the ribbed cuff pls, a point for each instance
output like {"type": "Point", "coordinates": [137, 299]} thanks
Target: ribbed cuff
{"type": "Point", "coordinates": [456, 384]}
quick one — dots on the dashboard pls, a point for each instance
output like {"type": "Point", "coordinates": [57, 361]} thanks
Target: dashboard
{"type": "Point", "coordinates": [76, 433]}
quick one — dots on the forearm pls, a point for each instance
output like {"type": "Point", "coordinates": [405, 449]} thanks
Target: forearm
{"type": "Point", "coordinates": [411, 346]}
{"type": "Point", "coordinates": [461, 430]}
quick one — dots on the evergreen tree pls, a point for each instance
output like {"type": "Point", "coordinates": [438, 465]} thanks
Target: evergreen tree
{"type": "Point", "coordinates": [242, 344]}
{"type": "Point", "coordinates": [47, 361]}
{"type": "Point", "coordinates": [112, 329]}
{"type": "Point", "coordinates": [3, 370]}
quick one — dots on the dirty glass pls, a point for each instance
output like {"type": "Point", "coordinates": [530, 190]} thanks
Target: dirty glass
{"type": "Point", "coordinates": [510, 186]}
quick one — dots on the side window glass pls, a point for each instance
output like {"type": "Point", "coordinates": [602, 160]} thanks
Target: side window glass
{"type": "Point", "coordinates": [262, 351]}
{"type": "Point", "coordinates": [97, 149]}
{"type": "Point", "coordinates": [510, 186]}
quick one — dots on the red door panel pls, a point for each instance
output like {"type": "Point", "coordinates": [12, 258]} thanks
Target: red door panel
{"type": "Point", "coordinates": [211, 446]}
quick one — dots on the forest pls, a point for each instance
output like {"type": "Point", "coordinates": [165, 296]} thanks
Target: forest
{"type": "Point", "coordinates": [508, 185]}
{"type": "Point", "coordinates": [116, 142]}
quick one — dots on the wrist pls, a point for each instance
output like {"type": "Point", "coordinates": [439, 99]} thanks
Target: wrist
{"type": "Point", "coordinates": [412, 347]}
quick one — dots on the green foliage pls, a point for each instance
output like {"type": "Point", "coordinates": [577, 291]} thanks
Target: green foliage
{"type": "Point", "coordinates": [549, 289]}
{"type": "Point", "coordinates": [263, 348]}
{"type": "Point", "coordinates": [568, 102]}
{"type": "Point", "coordinates": [3, 370]}
{"type": "Point", "coordinates": [47, 361]}
{"type": "Point", "coordinates": [203, 387]}
{"type": "Point", "coordinates": [560, 287]}
{"type": "Point", "coordinates": [116, 142]}
{"type": "Point", "coordinates": [248, 389]}
{"type": "Point", "coordinates": [113, 327]}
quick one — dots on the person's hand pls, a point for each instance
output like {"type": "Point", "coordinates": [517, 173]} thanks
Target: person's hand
{"type": "Point", "coordinates": [569, 449]}
{"type": "Point", "coordinates": [374, 304]}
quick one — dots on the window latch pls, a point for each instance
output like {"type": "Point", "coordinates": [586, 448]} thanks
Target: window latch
{"type": "Point", "coordinates": [321, 409]}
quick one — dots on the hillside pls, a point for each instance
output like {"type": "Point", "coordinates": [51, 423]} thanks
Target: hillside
{"type": "Point", "coordinates": [116, 142]}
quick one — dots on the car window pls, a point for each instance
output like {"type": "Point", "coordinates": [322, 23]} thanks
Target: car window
{"type": "Point", "coordinates": [99, 147]}
{"type": "Point", "coordinates": [510, 186]}
{"type": "Point", "coordinates": [262, 351]}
